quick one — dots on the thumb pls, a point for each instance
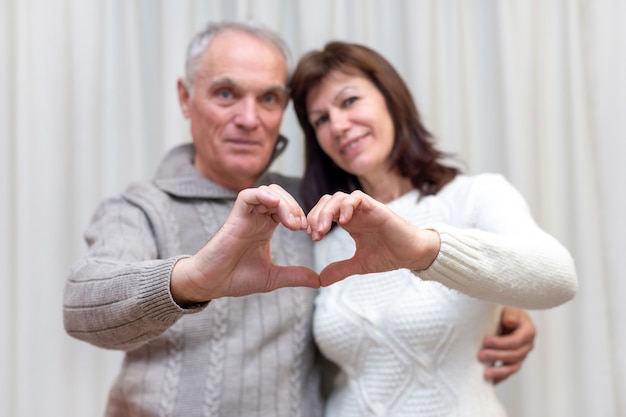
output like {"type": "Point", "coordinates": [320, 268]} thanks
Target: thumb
{"type": "Point", "coordinates": [295, 276]}
{"type": "Point", "coordinates": [337, 271]}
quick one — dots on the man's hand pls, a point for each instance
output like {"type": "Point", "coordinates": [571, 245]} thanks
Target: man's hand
{"type": "Point", "coordinates": [237, 260]}
{"type": "Point", "coordinates": [384, 241]}
{"type": "Point", "coordinates": [507, 351]}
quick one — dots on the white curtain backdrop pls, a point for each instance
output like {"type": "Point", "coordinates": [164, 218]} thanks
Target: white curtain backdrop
{"type": "Point", "coordinates": [533, 89]}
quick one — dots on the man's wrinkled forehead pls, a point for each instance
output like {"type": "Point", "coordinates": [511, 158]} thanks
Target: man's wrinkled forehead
{"type": "Point", "coordinates": [235, 38]}
{"type": "Point", "coordinates": [232, 53]}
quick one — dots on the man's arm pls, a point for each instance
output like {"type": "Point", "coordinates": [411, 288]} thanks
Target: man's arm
{"type": "Point", "coordinates": [117, 295]}
{"type": "Point", "coordinates": [121, 295]}
{"type": "Point", "coordinates": [507, 351]}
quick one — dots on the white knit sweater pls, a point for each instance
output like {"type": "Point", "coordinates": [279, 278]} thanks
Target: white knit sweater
{"type": "Point", "coordinates": [408, 346]}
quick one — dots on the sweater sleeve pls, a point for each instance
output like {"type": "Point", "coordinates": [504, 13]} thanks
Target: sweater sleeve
{"type": "Point", "coordinates": [504, 257]}
{"type": "Point", "coordinates": [118, 295]}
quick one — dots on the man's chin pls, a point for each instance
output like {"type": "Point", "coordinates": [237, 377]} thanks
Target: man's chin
{"type": "Point", "coordinates": [252, 171]}
{"type": "Point", "coordinates": [248, 164]}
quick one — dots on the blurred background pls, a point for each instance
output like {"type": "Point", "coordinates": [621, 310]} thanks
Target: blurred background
{"type": "Point", "coordinates": [532, 89]}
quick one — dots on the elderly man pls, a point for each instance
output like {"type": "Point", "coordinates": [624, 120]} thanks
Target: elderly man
{"type": "Point", "coordinates": [203, 275]}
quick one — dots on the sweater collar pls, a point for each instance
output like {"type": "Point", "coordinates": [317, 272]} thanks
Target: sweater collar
{"type": "Point", "coordinates": [177, 176]}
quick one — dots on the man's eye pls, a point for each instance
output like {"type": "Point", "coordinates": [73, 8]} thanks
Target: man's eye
{"type": "Point", "coordinates": [225, 94]}
{"type": "Point", "coordinates": [270, 98]}
{"type": "Point", "coordinates": [273, 100]}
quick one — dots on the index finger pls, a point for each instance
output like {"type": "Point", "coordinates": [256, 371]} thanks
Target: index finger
{"type": "Point", "coordinates": [322, 215]}
{"type": "Point", "coordinates": [276, 201]}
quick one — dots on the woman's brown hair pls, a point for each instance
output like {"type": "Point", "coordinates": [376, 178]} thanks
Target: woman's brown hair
{"type": "Point", "coordinates": [413, 153]}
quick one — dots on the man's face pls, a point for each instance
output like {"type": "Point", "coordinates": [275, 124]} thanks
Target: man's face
{"type": "Point", "coordinates": [236, 108]}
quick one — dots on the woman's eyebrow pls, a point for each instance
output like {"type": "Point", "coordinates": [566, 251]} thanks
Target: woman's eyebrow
{"type": "Point", "coordinates": [334, 100]}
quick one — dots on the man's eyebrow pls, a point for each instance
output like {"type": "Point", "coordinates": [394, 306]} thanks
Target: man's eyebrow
{"type": "Point", "coordinates": [279, 88]}
{"type": "Point", "coordinates": [229, 82]}
{"type": "Point", "coordinates": [224, 82]}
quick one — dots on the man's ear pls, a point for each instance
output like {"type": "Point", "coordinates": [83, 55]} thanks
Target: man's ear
{"type": "Point", "coordinates": [184, 96]}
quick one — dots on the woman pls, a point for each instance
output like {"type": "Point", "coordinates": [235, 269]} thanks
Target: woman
{"type": "Point", "coordinates": [406, 346]}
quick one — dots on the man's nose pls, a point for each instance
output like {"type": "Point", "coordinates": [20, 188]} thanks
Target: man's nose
{"type": "Point", "coordinates": [247, 115]}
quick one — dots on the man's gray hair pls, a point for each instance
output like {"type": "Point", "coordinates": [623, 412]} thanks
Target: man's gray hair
{"type": "Point", "coordinates": [200, 42]}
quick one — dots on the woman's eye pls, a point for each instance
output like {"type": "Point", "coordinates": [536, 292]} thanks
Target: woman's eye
{"type": "Point", "coordinates": [320, 121]}
{"type": "Point", "coordinates": [350, 100]}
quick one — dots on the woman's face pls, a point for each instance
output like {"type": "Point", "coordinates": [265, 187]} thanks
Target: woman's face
{"type": "Point", "coordinates": [352, 124]}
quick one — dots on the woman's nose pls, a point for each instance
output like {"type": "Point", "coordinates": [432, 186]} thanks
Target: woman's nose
{"type": "Point", "coordinates": [339, 123]}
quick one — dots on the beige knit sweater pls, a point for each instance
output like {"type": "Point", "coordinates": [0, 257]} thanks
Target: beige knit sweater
{"type": "Point", "coordinates": [245, 356]}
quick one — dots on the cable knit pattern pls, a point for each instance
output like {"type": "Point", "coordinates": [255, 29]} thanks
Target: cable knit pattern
{"type": "Point", "coordinates": [295, 385]}
{"type": "Point", "coordinates": [240, 356]}
{"type": "Point", "coordinates": [173, 369]}
{"type": "Point", "coordinates": [407, 346]}
{"type": "Point", "coordinates": [217, 340]}
{"type": "Point", "coordinates": [301, 336]}
{"type": "Point", "coordinates": [159, 208]}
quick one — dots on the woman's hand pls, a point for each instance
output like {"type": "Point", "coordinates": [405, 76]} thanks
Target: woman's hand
{"type": "Point", "coordinates": [384, 241]}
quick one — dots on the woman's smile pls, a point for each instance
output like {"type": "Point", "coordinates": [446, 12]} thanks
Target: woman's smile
{"type": "Point", "coordinates": [351, 146]}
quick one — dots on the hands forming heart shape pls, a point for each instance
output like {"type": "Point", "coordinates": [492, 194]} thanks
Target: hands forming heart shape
{"type": "Point", "coordinates": [237, 260]}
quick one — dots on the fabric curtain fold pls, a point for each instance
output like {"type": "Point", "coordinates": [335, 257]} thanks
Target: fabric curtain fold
{"type": "Point", "coordinates": [535, 90]}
